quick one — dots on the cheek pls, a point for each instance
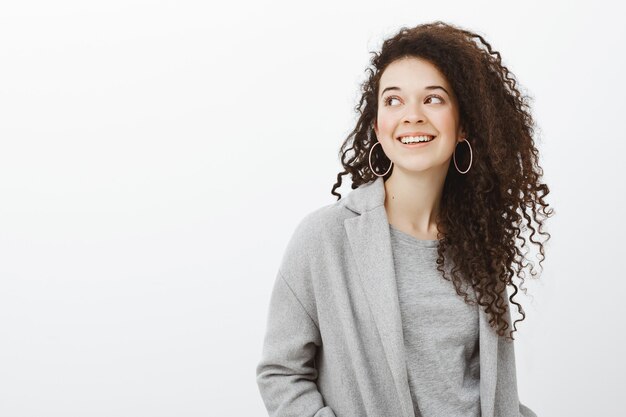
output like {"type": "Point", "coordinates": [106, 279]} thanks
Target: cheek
{"type": "Point", "coordinates": [448, 120]}
{"type": "Point", "coordinates": [385, 123]}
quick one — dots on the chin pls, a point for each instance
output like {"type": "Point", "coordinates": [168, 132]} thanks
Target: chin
{"type": "Point", "coordinates": [416, 168]}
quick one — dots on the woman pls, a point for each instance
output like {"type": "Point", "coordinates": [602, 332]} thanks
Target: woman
{"type": "Point", "coordinates": [367, 316]}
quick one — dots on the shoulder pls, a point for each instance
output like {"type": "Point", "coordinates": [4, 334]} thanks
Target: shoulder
{"type": "Point", "coordinates": [317, 232]}
{"type": "Point", "coordinates": [323, 219]}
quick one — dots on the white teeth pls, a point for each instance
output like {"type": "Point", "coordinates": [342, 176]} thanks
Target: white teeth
{"type": "Point", "coordinates": [413, 139]}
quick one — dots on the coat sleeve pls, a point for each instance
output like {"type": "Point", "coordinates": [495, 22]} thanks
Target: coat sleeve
{"type": "Point", "coordinates": [506, 360]}
{"type": "Point", "coordinates": [525, 411]}
{"type": "Point", "coordinates": [286, 374]}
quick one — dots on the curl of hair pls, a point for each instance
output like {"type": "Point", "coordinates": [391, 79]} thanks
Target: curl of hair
{"type": "Point", "coordinates": [484, 212]}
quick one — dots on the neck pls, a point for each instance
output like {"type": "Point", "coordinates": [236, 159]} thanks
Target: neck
{"type": "Point", "coordinates": [412, 199]}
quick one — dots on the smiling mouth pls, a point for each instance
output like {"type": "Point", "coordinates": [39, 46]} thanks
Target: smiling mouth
{"type": "Point", "coordinates": [408, 140]}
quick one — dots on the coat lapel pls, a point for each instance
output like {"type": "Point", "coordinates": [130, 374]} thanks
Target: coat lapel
{"type": "Point", "coordinates": [368, 234]}
{"type": "Point", "coordinates": [371, 246]}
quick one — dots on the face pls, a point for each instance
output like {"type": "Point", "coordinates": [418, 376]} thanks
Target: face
{"type": "Point", "coordinates": [414, 97]}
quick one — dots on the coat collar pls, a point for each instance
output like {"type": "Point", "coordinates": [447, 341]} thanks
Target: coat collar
{"type": "Point", "coordinates": [370, 240]}
{"type": "Point", "coordinates": [367, 197]}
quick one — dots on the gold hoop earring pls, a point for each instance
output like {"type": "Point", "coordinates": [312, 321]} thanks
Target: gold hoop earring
{"type": "Point", "coordinates": [471, 158]}
{"type": "Point", "coordinates": [370, 161]}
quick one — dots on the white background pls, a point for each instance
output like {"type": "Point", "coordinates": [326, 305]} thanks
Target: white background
{"type": "Point", "coordinates": [156, 156]}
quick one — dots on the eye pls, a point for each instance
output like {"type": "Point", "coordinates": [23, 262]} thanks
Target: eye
{"type": "Point", "coordinates": [435, 96]}
{"type": "Point", "coordinates": [389, 99]}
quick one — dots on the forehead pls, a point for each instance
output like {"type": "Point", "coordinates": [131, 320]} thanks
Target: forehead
{"type": "Point", "coordinates": [412, 73]}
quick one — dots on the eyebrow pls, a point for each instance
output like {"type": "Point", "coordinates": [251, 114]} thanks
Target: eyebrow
{"type": "Point", "coordinates": [430, 87]}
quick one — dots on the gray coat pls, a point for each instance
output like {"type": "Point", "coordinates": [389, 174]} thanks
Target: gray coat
{"type": "Point", "coordinates": [333, 345]}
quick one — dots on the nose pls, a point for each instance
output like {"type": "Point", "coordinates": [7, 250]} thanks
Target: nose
{"type": "Point", "coordinates": [414, 114]}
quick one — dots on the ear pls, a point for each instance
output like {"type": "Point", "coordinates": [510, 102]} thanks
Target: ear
{"type": "Point", "coordinates": [376, 127]}
{"type": "Point", "coordinates": [462, 133]}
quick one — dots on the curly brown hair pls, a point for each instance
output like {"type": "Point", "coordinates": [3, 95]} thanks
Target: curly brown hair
{"type": "Point", "coordinates": [502, 190]}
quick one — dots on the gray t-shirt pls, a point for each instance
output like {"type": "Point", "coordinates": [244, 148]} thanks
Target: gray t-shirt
{"type": "Point", "coordinates": [440, 332]}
